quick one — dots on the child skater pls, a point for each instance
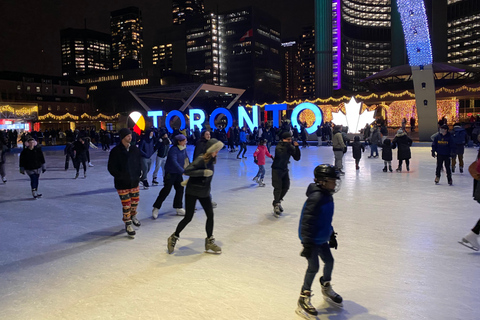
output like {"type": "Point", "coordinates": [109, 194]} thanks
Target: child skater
{"type": "Point", "coordinates": [317, 236]}
{"type": "Point", "coordinates": [32, 162]}
{"type": "Point", "coordinates": [387, 155]}
{"type": "Point", "coordinates": [198, 188]}
{"type": "Point", "coordinates": [357, 149]}
{"type": "Point", "coordinates": [259, 159]}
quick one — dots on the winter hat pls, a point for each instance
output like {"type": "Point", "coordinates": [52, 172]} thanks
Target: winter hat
{"type": "Point", "coordinates": [400, 131]}
{"type": "Point", "coordinates": [180, 137]}
{"type": "Point", "coordinates": [29, 138]}
{"type": "Point", "coordinates": [286, 135]}
{"type": "Point", "coordinates": [356, 138]}
{"type": "Point", "coordinates": [213, 145]}
{"type": "Point", "coordinates": [444, 126]}
{"type": "Point", "coordinates": [124, 132]}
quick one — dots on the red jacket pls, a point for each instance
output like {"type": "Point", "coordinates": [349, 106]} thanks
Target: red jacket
{"type": "Point", "coordinates": [260, 154]}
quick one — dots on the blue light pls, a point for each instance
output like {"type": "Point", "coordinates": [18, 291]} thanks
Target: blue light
{"type": "Point", "coordinates": [155, 115]}
{"type": "Point", "coordinates": [316, 110]}
{"type": "Point", "coordinates": [199, 122]}
{"type": "Point", "coordinates": [218, 111]}
{"type": "Point", "coordinates": [415, 30]}
{"type": "Point", "coordinates": [276, 108]}
{"type": "Point", "coordinates": [244, 118]}
{"type": "Point", "coordinates": [172, 114]}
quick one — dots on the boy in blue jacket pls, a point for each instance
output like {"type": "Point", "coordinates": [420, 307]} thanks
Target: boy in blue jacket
{"type": "Point", "coordinates": [443, 148]}
{"type": "Point", "coordinates": [317, 236]}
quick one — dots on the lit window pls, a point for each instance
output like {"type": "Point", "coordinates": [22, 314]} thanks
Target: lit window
{"type": "Point", "coordinates": [71, 91]}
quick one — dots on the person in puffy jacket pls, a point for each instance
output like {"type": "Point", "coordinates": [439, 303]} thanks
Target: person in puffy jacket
{"type": "Point", "coordinates": [460, 139]}
{"type": "Point", "coordinates": [259, 159]}
{"type": "Point", "coordinates": [317, 236]}
{"type": "Point", "coordinates": [404, 143]}
{"type": "Point", "coordinates": [125, 166]}
{"type": "Point", "coordinates": [443, 148]}
{"type": "Point", "coordinates": [198, 187]}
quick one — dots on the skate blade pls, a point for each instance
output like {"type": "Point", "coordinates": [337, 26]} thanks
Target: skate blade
{"type": "Point", "coordinates": [333, 303]}
{"type": "Point", "coordinates": [468, 245]}
{"type": "Point", "coordinates": [302, 313]}
{"type": "Point", "coordinates": [212, 252]}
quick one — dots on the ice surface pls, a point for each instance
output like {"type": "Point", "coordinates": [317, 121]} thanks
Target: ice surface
{"type": "Point", "coordinates": [66, 256]}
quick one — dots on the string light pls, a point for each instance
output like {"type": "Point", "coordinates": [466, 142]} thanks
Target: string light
{"type": "Point", "coordinates": [100, 116]}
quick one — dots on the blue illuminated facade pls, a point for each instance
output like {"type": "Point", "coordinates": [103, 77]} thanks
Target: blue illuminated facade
{"type": "Point", "coordinates": [415, 29]}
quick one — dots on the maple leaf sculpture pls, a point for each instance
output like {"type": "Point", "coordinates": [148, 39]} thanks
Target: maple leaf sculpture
{"type": "Point", "coordinates": [353, 119]}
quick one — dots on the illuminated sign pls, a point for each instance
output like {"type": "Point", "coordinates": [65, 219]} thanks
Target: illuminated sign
{"type": "Point", "coordinates": [138, 122]}
{"type": "Point", "coordinates": [353, 119]}
{"type": "Point", "coordinates": [246, 117]}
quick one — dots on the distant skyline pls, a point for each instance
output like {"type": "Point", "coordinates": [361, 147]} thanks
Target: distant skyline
{"type": "Point", "coordinates": [30, 37]}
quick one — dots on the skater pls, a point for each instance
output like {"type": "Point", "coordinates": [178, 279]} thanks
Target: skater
{"type": "Point", "coordinates": [80, 150]}
{"type": "Point", "coordinates": [201, 148]}
{"type": "Point", "coordinates": [339, 147]}
{"type": "Point", "coordinates": [443, 147]}
{"type": "Point", "coordinates": [259, 156]}
{"type": "Point", "coordinates": [147, 150]}
{"type": "Point", "coordinates": [357, 149]}
{"type": "Point", "coordinates": [243, 143]}
{"type": "Point", "coordinates": [177, 160]}
{"type": "Point", "coordinates": [404, 142]}
{"type": "Point", "coordinates": [198, 188]}
{"type": "Point", "coordinates": [125, 166]}
{"type": "Point", "coordinates": [32, 161]}
{"type": "Point", "coordinates": [280, 179]}
{"type": "Point", "coordinates": [3, 151]}
{"type": "Point", "coordinates": [387, 155]}
{"type": "Point", "coordinates": [317, 236]}
{"type": "Point", "coordinates": [69, 154]}
{"type": "Point", "coordinates": [375, 140]}
{"type": "Point", "coordinates": [460, 139]}
{"type": "Point", "coordinates": [471, 239]}
{"type": "Point", "coordinates": [162, 146]}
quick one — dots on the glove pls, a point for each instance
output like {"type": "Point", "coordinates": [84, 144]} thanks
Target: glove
{"type": "Point", "coordinates": [307, 251]}
{"type": "Point", "coordinates": [333, 241]}
{"type": "Point", "coordinates": [207, 173]}
{"type": "Point", "coordinates": [22, 170]}
{"type": "Point", "coordinates": [433, 154]}
{"type": "Point", "coordinates": [255, 160]}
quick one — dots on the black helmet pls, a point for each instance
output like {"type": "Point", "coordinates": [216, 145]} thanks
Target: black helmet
{"type": "Point", "coordinates": [323, 171]}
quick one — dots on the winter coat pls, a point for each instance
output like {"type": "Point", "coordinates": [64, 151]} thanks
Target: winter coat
{"type": "Point", "coordinates": [260, 154]}
{"type": "Point", "coordinates": [32, 159]}
{"type": "Point", "coordinates": [162, 147]}
{"type": "Point", "coordinates": [147, 147]}
{"type": "Point", "coordinates": [387, 154]}
{"type": "Point", "coordinates": [199, 183]}
{"type": "Point", "coordinates": [403, 142]}
{"type": "Point", "coordinates": [268, 135]}
{"type": "Point", "coordinates": [357, 149]}
{"type": "Point", "coordinates": [243, 137]}
{"type": "Point", "coordinates": [337, 142]}
{"type": "Point", "coordinates": [125, 166]}
{"type": "Point", "coordinates": [443, 145]}
{"type": "Point", "coordinates": [176, 160]}
{"type": "Point", "coordinates": [283, 151]}
{"type": "Point", "coordinates": [376, 138]}
{"type": "Point", "coordinates": [200, 148]}
{"type": "Point", "coordinates": [316, 217]}
{"type": "Point", "coordinates": [459, 135]}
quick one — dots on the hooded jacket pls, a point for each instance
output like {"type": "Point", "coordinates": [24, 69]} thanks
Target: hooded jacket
{"type": "Point", "coordinates": [283, 151]}
{"type": "Point", "coordinates": [147, 146]}
{"type": "Point", "coordinates": [316, 217]}
{"type": "Point", "coordinates": [403, 142]}
{"type": "Point", "coordinates": [443, 144]}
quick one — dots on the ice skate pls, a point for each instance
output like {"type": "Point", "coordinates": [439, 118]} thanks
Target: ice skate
{"type": "Point", "coordinates": [461, 169]}
{"type": "Point", "coordinates": [35, 194]}
{"type": "Point", "coordinates": [450, 182]}
{"type": "Point", "coordinates": [154, 182]}
{"type": "Point", "coordinates": [280, 206]}
{"type": "Point", "coordinates": [4, 180]}
{"type": "Point", "coordinates": [305, 308]}
{"type": "Point", "coordinates": [260, 183]}
{"type": "Point", "coordinates": [211, 247]}
{"type": "Point", "coordinates": [255, 179]}
{"type": "Point", "coordinates": [90, 164]}
{"type": "Point", "coordinates": [135, 221]}
{"type": "Point", "coordinates": [155, 213]}
{"type": "Point", "coordinates": [399, 169]}
{"type": "Point", "coordinates": [437, 180]}
{"type": "Point", "coordinates": [180, 211]}
{"type": "Point", "coordinates": [172, 240]}
{"type": "Point", "coordinates": [214, 204]}
{"type": "Point", "coordinates": [276, 210]}
{"type": "Point", "coordinates": [76, 175]}
{"type": "Point", "coordinates": [385, 169]}
{"type": "Point", "coordinates": [408, 168]}
{"type": "Point", "coordinates": [329, 295]}
{"type": "Point", "coordinates": [145, 185]}
{"type": "Point", "coordinates": [85, 174]}
{"type": "Point", "coordinates": [129, 229]}
{"type": "Point", "coordinates": [470, 241]}
{"type": "Point", "coordinates": [390, 168]}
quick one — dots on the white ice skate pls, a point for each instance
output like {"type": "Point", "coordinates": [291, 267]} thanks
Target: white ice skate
{"type": "Point", "coordinates": [329, 295]}
{"type": "Point", "coordinates": [470, 241]}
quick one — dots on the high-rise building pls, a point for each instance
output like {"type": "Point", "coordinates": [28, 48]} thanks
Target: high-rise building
{"type": "Point", "coordinates": [463, 32]}
{"type": "Point", "coordinates": [250, 55]}
{"type": "Point", "coordinates": [202, 41]}
{"type": "Point", "coordinates": [291, 77]}
{"type": "Point", "coordinates": [127, 38]}
{"type": "Point", "coordinates": [307, 58]}
{"type": "Point", "coordinates": [163, 56]}
{"type": "Point", "coordinates": [84, 51]}
{"type": "Point", "coordinates": [183, 10]}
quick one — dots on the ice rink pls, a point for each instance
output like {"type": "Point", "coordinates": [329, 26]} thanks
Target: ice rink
{"type": "Point", "coordinates": [67, 256]}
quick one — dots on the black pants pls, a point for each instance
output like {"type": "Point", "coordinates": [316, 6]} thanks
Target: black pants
{"type": "Point", "coordinates": [407, 163]}
{"type": "Point", "coordinates": [441, 159]}
{"type": "Point", "coordinates": [243, 146]}
{"type": "Point", "coordinates": [280, 183]}
{"type": "Point", "coordinates": [190, 202]}
{"type": "Point", "coordinates": [80, 158]}
{"type": "Point", "coordinates": [175, 180]}
{"type": "Point", "coordinates": [476, 229]}
{"type": "Point", "coordinates": [67, 160]}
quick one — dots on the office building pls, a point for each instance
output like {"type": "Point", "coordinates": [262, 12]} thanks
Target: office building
{"type": "Point", "coordinates": [291, 77]}
{"type": "Point", "coordinates": [183, 10]}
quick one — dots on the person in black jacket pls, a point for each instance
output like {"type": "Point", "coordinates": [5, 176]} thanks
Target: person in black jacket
{"type": "Point", "coordinates": [31, 162]}
{"type": "Point", "coordinates": [198, 188]}
{"type": "Point", "coordinates": [404, 143]}
{"type": "Point", "coordinates": [124, 164]}
{"type": "Point", "coordinates": [357, 149]}
{"type": "Point", "coordinates": [443, 148]}
{"type": "Point", "coordinates": [317, 236]}
{"type": "Point", "coordinates": [387, 155]}
{"type": "Point", "coordinates": [280, 179]}
{"type": "Point", "coordinates": [80, 151]}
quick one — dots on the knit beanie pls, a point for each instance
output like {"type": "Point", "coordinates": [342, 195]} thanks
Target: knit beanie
{"type": "Point", "coordinates": [213, 145]}
{"type": "Point", "coordinates": [286, 135]}
{"type": "Point", "coordinates": [124, 132]}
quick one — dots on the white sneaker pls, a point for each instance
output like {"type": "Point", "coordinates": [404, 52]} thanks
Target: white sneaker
{"type": "Point", "coordinates": [90, 164]}
{"type": "Point", "coordinates": [180, 212]}
{"type": "Point", "coordinates": [155, 213]}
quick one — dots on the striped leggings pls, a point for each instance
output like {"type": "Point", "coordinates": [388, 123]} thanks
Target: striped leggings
{"type": "Point", "coordinates": [130, 199]}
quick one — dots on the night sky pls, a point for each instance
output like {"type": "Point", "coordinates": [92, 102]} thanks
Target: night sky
{"type": "Point", "coordinates": [30, 29]}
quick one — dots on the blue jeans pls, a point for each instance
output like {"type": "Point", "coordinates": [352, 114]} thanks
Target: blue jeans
{"type": "Point", "coordinates": [261, 171]}
{"type": "Point", "coordinates": [322, 250]}
{"type": "Point", "coordinates": [373, 148]}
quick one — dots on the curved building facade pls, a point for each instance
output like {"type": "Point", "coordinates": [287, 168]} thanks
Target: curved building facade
{"type": "Point", "coordinates": [366, 40]}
